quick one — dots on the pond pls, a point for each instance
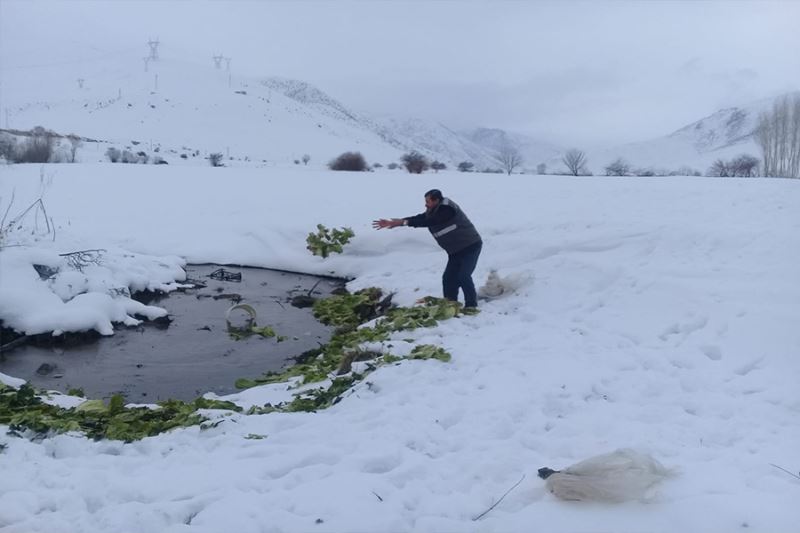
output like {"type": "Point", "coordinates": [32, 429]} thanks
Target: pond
{"type": "Point", "coordinates": [194, 353]}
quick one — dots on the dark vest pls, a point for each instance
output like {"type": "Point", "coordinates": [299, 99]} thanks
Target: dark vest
{"type": "Point", "coordinates": [455, 234]}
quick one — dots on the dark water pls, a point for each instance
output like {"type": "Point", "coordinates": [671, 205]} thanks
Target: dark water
{"type": "Point", "coordinates": [195, 354]}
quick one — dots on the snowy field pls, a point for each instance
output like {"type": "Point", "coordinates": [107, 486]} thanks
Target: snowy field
{"type": "Point", "coordinates": [658, 314]}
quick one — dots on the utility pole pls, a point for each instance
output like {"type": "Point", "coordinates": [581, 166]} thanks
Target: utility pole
{"type": "Point", "coordinates": [228, 61]}
{"type": "Point", "coordinates": [156, 83]}
{"type": "Point", "coordinates": [153, 49]}
{"type": "Point", "coordinates": [80, 83]}
{"type": "Point", "coordinates": [146, 61]}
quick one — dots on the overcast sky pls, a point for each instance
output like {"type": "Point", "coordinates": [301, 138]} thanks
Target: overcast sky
{"type": "Point", "coordinates": [571, 72]}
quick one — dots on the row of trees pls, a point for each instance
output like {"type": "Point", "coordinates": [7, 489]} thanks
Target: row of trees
{"type": "Point", "coordinates": [414, 162]}
{"type": "Point", "coordinates": [778, 136]}
{"type": "Point", "coordinates": [744, 166]}
{"type": "Point", "coordinates": [38, 145]}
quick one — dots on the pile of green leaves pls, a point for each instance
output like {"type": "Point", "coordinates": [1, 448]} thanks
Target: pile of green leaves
{"type": "Point", "coordinates": [347, 311]}
{"type": "Point", "coordinates": [344, 346]}
{"type": "Point", "coordinates": [22, 409]}
{"type": "Point", "coordinates": [325, 241]}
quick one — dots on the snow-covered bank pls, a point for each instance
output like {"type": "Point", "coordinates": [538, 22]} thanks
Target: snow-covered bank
{"type": "Point", "coordinates": [659, 314]}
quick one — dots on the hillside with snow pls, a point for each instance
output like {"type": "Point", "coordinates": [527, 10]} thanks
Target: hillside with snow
{"type": "Point", "coordinates": [724, 134]}
{"type": "Point", "coordinates": [183, 108]}
{"type": "Point", "coordinates": [180, 107]}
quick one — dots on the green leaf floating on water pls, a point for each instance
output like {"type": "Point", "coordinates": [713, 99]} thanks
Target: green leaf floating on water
{"type": "Point", "coordinates": [91, 406]}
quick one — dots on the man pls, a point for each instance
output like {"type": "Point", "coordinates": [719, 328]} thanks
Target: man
{"type": "Point", "coordinates": [455, 233]}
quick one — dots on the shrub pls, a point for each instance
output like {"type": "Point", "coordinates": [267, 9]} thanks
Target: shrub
{"type": "Point", "coordinates": [392, 166]}
{"type": "Point", "coordinates": [352, 161]}
{"type": "Point", "coordinates": [8, 146]}
{"type": "Point", "coordinates": [215, 159]}
{"type": "Point", "coordinates": [466, 166]}
{"type": "Point", "coordinates": [113, 154]}
{"type": "Point", "coordinates": [415, 162]}
{"type": "Point", "coordinates": [438, 165]}
{"type": "Point", "coordinates": [38, 148]}
{"type": "Point", "coordinates": [618, 167]}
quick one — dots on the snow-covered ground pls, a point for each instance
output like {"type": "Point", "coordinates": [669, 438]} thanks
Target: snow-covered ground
{"type": "Point", "coordinates": [658, 314]}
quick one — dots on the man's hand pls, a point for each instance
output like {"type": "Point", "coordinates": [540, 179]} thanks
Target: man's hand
{"type": "Point", "coordinates": [387, 223]}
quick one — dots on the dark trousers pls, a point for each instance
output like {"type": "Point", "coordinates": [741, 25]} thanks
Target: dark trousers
{"type": "Point", "coordinates": [458, 274]}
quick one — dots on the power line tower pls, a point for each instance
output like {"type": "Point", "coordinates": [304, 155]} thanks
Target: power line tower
{"type": "Point", "coordinates": [218, 61]}
{"type": "Point", "coordinates": [153, 49]}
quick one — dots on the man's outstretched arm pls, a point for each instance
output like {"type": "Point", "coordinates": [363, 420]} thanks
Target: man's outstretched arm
{"type": "Point", "coordinates": [388, 223]}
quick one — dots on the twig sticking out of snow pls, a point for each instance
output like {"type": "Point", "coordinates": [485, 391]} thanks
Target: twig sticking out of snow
{"type": "Point", "coordinates": [495, 504]}
{"type": "Point", "coordinates": [781, 468]}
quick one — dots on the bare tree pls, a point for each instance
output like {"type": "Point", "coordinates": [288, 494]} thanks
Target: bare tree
{"type": "Point", "coordinates": [415, 162]}
{"type": "Point", "coordinates": [37, 148]}
{"type": "Point", "coordinates": [575, 160]}
{"type": "Point", "coordinates": [509, 158]}
{"type": "Point", "coordinates": [8, 145]}
{"type": "Point", "coordinates": [618, 167]}
{"type": "Point", "coordinates": [778, 136]}
{"type": "Point", "coordinates": [744, 166]}
{"type": "Point", "coordinates": [306, 159]}
{"type": "Point", "coordinates": [74, 144]}
{"type": "Point", "coordinates": [719, 169]}
{"type": "Point", "coordinates": [541, 168]}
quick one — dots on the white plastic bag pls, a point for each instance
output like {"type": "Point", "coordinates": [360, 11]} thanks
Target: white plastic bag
{"type": "Point", "coordinates": [613, 477]}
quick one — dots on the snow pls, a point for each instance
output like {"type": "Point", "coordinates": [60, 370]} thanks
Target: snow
{"type": "Point", "coordinates": [182, 107]}
{"type": "Point", "coordinates": [654, 314]}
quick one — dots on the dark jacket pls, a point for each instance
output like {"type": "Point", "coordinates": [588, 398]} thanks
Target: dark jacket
{"type": "Point", "coordinates": [449, 226]}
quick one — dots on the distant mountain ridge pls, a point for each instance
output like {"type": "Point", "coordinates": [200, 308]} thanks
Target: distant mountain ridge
{"type": "Point", "coordinates": [724, 134]}
{"type": "Point", "coordinates": [185, 106]}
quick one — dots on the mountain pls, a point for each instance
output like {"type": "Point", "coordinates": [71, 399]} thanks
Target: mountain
{"type": "Point", "coordinates": [723, 134]}
{"type": "Point", "coordinates": [533, 151]}
{"type": "Point", "coordinates": [430, 138]}
{"type": "Point", "coordinates": [185, 111]}
{"type": "Point", "coordinates": [184, 108]}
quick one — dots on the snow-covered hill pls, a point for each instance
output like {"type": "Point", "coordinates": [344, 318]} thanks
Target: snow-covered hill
{"type": "Point", "coordinates": [184, 108]}
{"type": "Point", "coordinates": [533, 151]}
{"type": "Point", "coordinates": [723, 134]}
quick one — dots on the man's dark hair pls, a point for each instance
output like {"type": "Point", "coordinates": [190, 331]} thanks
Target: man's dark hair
{"type": "Point", "coordinates": [434, 194]}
